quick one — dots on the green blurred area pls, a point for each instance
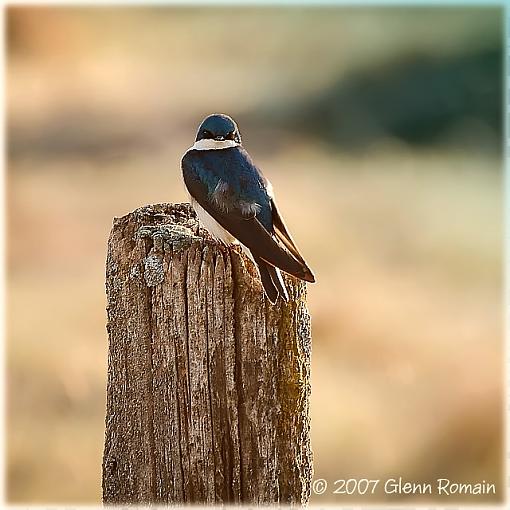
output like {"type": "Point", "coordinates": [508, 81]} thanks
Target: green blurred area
{"type": "Point", "coordinates": [380, 129]}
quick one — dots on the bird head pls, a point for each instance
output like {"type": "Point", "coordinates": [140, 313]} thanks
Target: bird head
{"type": "Point", "coordinates": [218, 127]}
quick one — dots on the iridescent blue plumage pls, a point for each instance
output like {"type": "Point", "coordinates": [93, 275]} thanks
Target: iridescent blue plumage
{"type": "Point", "coordinates": [234, 201]}
{"type": "Point", "coordinates": [232, 167]}
{"type": "Point", "coordinates": [218, 125]}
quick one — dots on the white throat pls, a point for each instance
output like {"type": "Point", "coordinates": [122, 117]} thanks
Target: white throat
{"type": "Point", "coordinates": [207, 144]}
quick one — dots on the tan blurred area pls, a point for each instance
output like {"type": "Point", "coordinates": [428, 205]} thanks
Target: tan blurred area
{"type": "Point", "coordinates": [404, 233]}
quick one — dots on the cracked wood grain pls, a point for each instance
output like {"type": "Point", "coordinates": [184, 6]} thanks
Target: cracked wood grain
{"type": "Point", "coordinates": [208, 383]}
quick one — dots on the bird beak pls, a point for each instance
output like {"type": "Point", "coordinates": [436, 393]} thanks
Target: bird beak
{"type": "Point", "coordinates": [219, 138]}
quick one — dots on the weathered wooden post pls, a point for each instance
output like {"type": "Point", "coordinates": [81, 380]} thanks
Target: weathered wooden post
{"type": "Point", "coordinates": [208, 383]}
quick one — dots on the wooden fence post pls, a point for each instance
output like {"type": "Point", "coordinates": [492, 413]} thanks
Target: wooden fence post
{"type": "Point", "coordinates": [208, 383]}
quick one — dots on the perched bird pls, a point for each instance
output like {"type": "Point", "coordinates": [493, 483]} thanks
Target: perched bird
{"type": "Point", "coordinates": [235, 203]}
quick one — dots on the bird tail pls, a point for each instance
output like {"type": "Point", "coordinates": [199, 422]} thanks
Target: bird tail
{"type": "Point", "coordinates": [262, 244]}
{"type": "Point", "coordinates": [272, 280]}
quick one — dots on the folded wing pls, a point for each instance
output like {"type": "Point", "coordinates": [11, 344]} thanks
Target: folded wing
{"type": "Point", "coordinates": [247, 228]}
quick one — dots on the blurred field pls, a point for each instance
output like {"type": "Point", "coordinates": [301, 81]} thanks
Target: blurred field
{"type": "Point", "coordinates": [405, 240]}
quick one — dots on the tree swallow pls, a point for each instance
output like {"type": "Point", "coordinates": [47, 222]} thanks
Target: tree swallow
{"type": "Point", "coordinates": [236, 204]}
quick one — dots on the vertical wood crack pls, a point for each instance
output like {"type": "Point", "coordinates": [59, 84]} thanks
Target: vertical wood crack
{"type": "Point", "coordinates": [150, 393]}
{"type": "Point", "coordinates": [238, 372]}
{"type": "Point", "coordinates": [237, 387]}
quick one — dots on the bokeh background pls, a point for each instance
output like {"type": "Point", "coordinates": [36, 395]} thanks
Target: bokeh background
{"type": "Point", "coordinates": [380, 129]}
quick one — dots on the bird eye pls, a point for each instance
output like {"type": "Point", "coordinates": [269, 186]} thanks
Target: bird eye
{"type": "Point", "coordinates": [207, 133]}
{"type": "Point", "coordinates": [230, 136]}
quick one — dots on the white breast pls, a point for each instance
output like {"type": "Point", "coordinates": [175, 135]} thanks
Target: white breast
{"type": "Point", "coordinates": [212, 226]}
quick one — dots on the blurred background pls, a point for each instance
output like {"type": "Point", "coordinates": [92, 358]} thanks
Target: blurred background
{"type": "Point", "coordinates": [381, 130]}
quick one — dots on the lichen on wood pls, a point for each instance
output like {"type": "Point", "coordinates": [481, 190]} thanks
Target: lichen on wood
{"type": "Point", "coordinates": [208, 383]}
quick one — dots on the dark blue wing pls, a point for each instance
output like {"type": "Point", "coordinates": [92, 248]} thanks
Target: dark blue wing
{"type": "Point", "coordinates": [233, 182]}
{"type": "Point", "coordinates": [203, 171]}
